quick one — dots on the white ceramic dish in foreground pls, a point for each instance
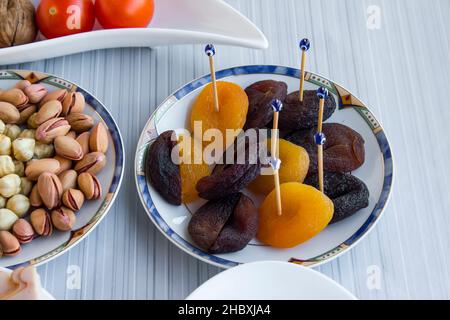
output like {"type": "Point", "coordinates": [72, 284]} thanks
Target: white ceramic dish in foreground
{"type": "Point", "coordinates": [174, 22]}
{"type": "Point", "coordinates": [377, 172]}
{"type": "Point", "coordinates": [270, 280]}
{"type": "Point", "coordinates": [44, 295]}
{"type": "Point", "coordinates": [44, 249]}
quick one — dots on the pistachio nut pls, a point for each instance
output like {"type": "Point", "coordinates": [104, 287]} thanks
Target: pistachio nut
{"type": "Point", "coordinates": [19, 168]}
{"type": "Point", "coordinates": [43, 150]}
{"type": "Point", "coordinates": [5, 145]}
{"type": "Point", "coordinates": [90, 186]}
{"type": "Point", "coordinates": [2, 202]}
{"type": "Point", "coordinates": [15, 97]}
{"type": "Point", "coordinates": [6, 166]}
{"type": "Point", "coordinates": [28, 133]}
{"type": "Point", "coordinates": [26, 112]}
{"type": "Point", "coordinates": [49, 189]}
{"type": "Point", "coordinates": [83, 140]}
{"type": "Point", "coordinates": [7, 219]}
{"type": "Point", "coordinates": [36, 167]}
{"type": "Point", "coordinates": [35, 92]}
{"type": "Point", "coordinates": [68, 179]}
{"type": "Point", "coordinates": [23, 149]}
{"type": "Point", "coordinates": [73, 199]}
{"type": "Point", "coordinates": [9, 185]}
{"type": "Point", "coordinates": [72, 134]}
{"type": "Point", "coordinates": [19, 204]}
{"type": "Point", "coordinates": [63, 218]}
{"type": "Point", "coordinates": [51, 129]}
{"type": "Point", "coordinates": [41, 222]}
{"type": "Point", "coordinates": [68, 148]}
{"type": "Point", "coordinates": [12, 131]}
{"type": "Point", "coordinates": [59, 95]}
{"type": "Point", "coordinates": [25, 186]}
{"type": "Point", "coordinates": [22, 84]}
{"type": "Point", "coordinates": [99, 138]}
{"type": "Point", "coordinates": [23, 231]}
{"type": "Point", "coordinates": [80, 122]}
{"type": "Point", "coordinates": [92, 162]}
{"type": "Point", "coordinates": [9, 245]}
{"type": "Point", "coordinates": [31, 122]}
{"type": "Point", "coordinates": [64, 164]}
{"type": "Point", "coordinates": [35, 198]}
{"type": "Point", "coordinates": [49, 110]}
{"type": "Point", "coordinates": [74, 102]}
{"type": "Point", "coordinates": [9, 113]}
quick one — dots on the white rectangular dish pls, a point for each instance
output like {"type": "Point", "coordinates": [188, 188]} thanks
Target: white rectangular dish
{"type": "Point", "coordinates": [174, 22]}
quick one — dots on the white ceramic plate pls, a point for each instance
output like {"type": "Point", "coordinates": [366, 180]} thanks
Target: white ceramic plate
{"type": "Point", "coordinates": [377, 171]}
{"type": "Point", "coordinates": [174, 22]}
{"type": "Point", "coordinates": [44, 295]}
{"type": "Point", "coordinates": [270, 280]}
{"type": "Point", "coordinates": [44, 249]}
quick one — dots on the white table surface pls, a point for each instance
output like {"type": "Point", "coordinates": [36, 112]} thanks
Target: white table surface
{"type": "Point", "coordinates": [402, 70]}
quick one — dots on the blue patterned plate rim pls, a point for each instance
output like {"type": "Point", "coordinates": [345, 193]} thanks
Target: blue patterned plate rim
{"type": "Point", "coordinates": [369, 224]}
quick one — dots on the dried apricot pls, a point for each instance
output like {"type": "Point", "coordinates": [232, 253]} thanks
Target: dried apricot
{"type": "Point", "coordinates": [233, 108]}
{"type": "Point", "coordinates": [305, 213]}
{"type": "Point", "coordinates": [348, 193]}
{"type": "Point", "coordinates": [224, 225]}
{"type": "Point", "coordinates": [192, 168]}
{"type": "Point", "coordinates": [294, 167]}
{"type": "Point", "coordinates": [298, 115]}
{"type": "Point", "coordinates": [343, 150]}
{"type": "Point", "coordinates": [260, 95]}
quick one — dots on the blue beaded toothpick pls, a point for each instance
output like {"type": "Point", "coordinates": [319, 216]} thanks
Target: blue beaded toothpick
{"type": "Point", "coordinates": [210, 51]}
{"type": "Point", "coordinates": [304, 46]}
{"type": "Point", "coordinates": [277, 106]}
{"type": "Point", "coordinates": [319, 137]}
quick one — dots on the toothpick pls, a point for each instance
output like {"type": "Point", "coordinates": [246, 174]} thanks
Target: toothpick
{"type": "Point", "coordinates": [210, 52]}
{"type": "Point", "coordinates": [304, 46]}
{"type": "Point", "coordinates": [319, 137]}
{"type": "Point", "coordinates": [277, 105]}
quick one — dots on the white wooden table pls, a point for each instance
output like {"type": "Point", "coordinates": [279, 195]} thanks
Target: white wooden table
{"type": "Point", "coordinates": [393, 54]}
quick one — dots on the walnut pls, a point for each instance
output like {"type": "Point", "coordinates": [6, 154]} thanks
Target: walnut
{"type": "Point", "coordinates": [17, 23]}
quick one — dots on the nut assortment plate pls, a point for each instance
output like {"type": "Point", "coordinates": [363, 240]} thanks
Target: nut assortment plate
{"type": "Point", "coordinates": [376, 172]}
{"type": "Point", "coordinates": [43, 249]}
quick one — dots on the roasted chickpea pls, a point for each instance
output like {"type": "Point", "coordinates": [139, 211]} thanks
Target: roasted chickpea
{"type": "Point", "coordinates": [23, 148]}
{"type": "Point", "coordinates": [25, 186]}
{"type": "Point", "coordinates": [42, 150]}
{"type": "Point", "coordinates": [5, 145]}
{"type": "Point", "coordinates": [9, 185]}
{"type": "Point", "coordinates": [19, 204]}
{"type": "Point", "coordinates": [6, 166]}
{"type": "Point", "coordinates": [12, 131]}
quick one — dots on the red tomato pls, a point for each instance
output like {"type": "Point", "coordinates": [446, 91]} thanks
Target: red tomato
{"type": "Point", "coordinates": [57, 18]}
{"type": "Point", "coordinates": [124, 13]}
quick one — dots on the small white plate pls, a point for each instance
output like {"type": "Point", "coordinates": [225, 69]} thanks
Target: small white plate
{"type": "Point", "coordinates": [376, 172]}
{"type": "Point", "coordinates": [174, 22]}
{"type": "Point", "coordinates": [44, 295]}
{"type": "Point", "coordinates": [270, 280]}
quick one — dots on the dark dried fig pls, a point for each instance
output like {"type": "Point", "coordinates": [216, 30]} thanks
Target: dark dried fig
{"type": "Point", "coordinates": [231, 178]}
{"type": "Point", "coordinates": [348, 193]}
{"type": "Point", "coordinates": [343, 149]}
{"type": "Point", "coordinates": [260, 95]}
{"type": "Point", "coordinates": [298, 115]}
{"type": "Point", "coordinates": [225, 225]}
{"type": "Point", "coordinates": [163, 174]}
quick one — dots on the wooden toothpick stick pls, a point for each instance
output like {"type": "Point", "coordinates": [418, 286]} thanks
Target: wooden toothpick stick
{"type": "Point", "coordinates": [319, 137]}
{"type": "Point", "coordinates": [210, 52]}
{"type": "Point", "coordinates": [277, 105]}
{"type": "Point", "coordinates": [304, 46]}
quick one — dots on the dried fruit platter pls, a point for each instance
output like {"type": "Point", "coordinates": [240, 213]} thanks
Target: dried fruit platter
{"type": "Point", "coordinates": [48, 245]}
{"type": "Point", "coordinates": [374, 169]}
